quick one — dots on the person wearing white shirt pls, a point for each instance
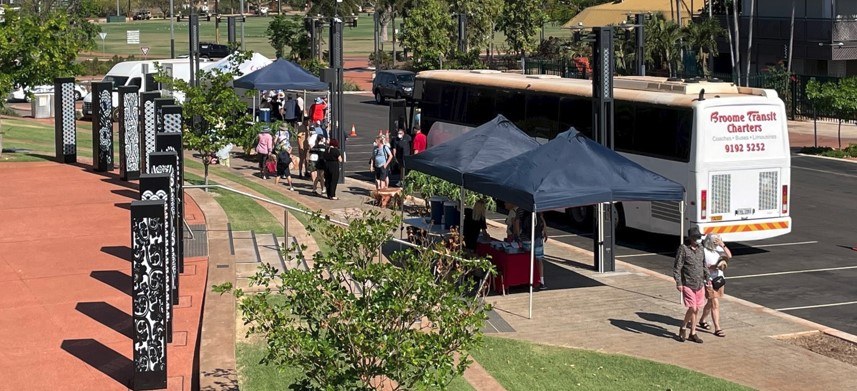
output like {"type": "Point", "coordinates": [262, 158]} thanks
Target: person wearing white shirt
{"type": "Point", "coordinates": [716, 257]}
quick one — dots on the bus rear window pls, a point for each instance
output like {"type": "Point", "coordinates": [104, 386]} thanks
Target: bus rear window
{"type": "Point", "coordinates": [657, 131]}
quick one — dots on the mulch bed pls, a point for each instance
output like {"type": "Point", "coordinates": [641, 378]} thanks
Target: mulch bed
{"type": "Point", "coordinates": [828, 345]}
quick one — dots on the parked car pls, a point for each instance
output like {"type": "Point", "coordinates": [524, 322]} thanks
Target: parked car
{"type": "Point", "coordinates": [393, 84]}
{"type": "Point", "coordinates": [212, 50]}
{"type": "Point", "coordinates": [262, 11]}
{"type": "Point", "coordinates": [143, 15]}
{"type": "Point", "coordinates": [21, 94]}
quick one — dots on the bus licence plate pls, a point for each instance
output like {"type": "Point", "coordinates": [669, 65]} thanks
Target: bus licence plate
{"type": "Point", "coordinates": [744, 211]}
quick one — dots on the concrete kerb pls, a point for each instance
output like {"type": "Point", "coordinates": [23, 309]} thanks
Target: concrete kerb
{"type": "Point", "coordinates": [827, 158]}
{"type": "Point", "coordinates": [637, 269]}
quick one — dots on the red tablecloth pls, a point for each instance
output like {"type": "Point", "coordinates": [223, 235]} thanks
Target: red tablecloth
{"type": "Point", "coordinates": [513, 269]}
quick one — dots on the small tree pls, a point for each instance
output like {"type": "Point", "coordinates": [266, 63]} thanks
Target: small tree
{"type": "Point", "coordinates": [213, 114]}
{"type": "Point", "coordinates": [701, 37]}
{"type": "Point", "coordinates": [429, 186]}
{"type": "Point", "coordinates": [426, 31]}
{"type": "Point", "coordinates": [288, 32]}
{"type": "Point", "coordinates": [520, 22]}
{"type": "Point", "coordinates": [352, 322]}
{"type": "Point", "coordinates": [845, 102]}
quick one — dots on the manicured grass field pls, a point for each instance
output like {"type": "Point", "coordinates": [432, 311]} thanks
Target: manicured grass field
{"type": "Point", "coordinates": [522, 366]}
{"type": "Point", "coordinates": [38, 139]}
{"type": "Point", "coordinates": [155, 34]}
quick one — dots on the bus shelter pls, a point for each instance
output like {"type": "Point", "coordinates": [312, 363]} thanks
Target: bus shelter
{"type": "Point", "coordinates": [570, 170]}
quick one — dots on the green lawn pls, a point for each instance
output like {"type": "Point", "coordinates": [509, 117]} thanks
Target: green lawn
{"type": "Point", "coordinates": [524, 366]}
{"type": "Point", "coordinates": [257, 377]}
{"type": "Point", "coordinates": [39, 139]}
{"type": "Point", "coordinates": [244, 213]}
{"type": "Point", "coordinates": [155, 34]}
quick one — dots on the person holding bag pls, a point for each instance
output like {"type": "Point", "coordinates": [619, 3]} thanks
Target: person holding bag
{"type": "Point", "coordinates": [264, 148]}
{"type": "Point", "coordinates": [716, 257]}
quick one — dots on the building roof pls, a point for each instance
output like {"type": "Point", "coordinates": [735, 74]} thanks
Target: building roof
{"type": "Point", "coordinates": [617, 11]}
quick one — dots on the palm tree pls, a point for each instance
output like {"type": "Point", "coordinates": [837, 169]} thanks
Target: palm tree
{"type": "Point", "coordinates": [662, 41]}
{"type": "Point", "coordinates": [791, 38]}
{"type": "Point", "coordinates": [701, 37]}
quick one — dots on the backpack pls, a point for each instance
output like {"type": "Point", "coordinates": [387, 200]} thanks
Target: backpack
{"type": "Point", "coordinates": [375, 153]}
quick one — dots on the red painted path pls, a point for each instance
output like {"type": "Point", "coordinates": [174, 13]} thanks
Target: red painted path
{"type": "Point", "coordinates": [65, 285]}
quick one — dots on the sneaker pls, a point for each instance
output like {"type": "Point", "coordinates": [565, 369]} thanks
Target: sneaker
{"type": "Point", "coordinates": [695, 338]}
{"type": "Point", "coordinates": [543, 287]}
{"type": "Point", "coordinates": [291, 188]}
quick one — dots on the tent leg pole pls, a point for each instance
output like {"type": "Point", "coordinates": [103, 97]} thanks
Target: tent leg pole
{"type": "Point", "coordinates": [461, 218]}
{"type": "Point", "coordinates": [532, 257]}
{"type": "Point", "coordinates": [681, 228]}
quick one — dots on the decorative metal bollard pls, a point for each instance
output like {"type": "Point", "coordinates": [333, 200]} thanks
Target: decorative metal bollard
{"type": "Point", "coordinates": [148, 121]}
{"type": "Point", "coordinates": [65, 127]}
{"type": "Point", "coordinates": [148, 241]}
{"type": "Point", "coordinates": [171, 140]}
{"type": "Point", "coordinates": [165, 163]}
{"type": "Point", "coordinates": [102, 126]}
{"type": "Point", "coordinates": [160, 103]}
{"type": "Point", "coordinates": [160, 187]}
{"type": "Point", "coordinates": [129, 133]}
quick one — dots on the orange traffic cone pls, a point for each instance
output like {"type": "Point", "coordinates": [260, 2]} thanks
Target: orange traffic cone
{"type": "Point", "coordinates": [353, 131]}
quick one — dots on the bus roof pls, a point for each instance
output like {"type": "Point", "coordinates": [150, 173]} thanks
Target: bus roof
{"type": "Point", "coordinates": [629, 88]}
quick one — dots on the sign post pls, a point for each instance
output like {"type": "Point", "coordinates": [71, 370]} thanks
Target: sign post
{"type": "Point", "coordinates": [102, 35]}
{"type": "Point", "coordinates": [145, 50]}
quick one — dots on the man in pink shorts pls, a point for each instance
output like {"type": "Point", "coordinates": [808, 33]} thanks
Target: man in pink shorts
{"type": "Point", "coordinates": [690, 276]}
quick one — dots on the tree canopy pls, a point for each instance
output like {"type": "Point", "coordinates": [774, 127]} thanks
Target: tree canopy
{"type": "Point", "coordinates": [520, 21]}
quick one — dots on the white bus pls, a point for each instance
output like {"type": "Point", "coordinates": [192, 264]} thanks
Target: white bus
{"type": "Point", "coordinates": [729, 149]}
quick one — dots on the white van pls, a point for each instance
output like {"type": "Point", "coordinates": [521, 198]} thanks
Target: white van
{"type": "Point", "coordinates": [131, 73]}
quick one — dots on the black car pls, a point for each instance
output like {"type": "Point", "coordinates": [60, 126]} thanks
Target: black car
{"type": "Point", "coordinates": [393, 84]}
{"type": "Point", "coordinates": [213, 50]}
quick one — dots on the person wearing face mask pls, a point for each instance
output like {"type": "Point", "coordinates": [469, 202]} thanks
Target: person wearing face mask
{"type": "Point", "coordinates": [690, 276]}
{"type": "Point", "coordinates": [403, 148]}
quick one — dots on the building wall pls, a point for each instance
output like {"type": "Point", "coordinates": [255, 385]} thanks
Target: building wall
{"type": "Point", "coordinates": [803, 8]}
{"type": "Point", "coordinates": [846, 9]}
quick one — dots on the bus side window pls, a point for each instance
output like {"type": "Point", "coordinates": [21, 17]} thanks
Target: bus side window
{"type": "Point", "coordinates": [576, 112]}
{"type": "Point", "coordinates": [430, 103]}
{"type": "Point", "coordinates": [511, 105]}
{"type": "Point", "coordinates": [452, 102]}
{"type": "Point", "coordinates": [541, 120]}
{"type": "Point", "coordinates": [663, 132]}
{"type": "Point", "coordinates": [624, 129]}
{"type": "Point", "coordinates": [480, 106]}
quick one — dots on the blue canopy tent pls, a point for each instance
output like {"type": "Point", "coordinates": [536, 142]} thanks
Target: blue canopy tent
{"type": "Point", "coordinates": [280, 75]}
{"type": "Point", "coordinates": [483, 146]}
{"type": "Point", "coordinates": [570, 170]}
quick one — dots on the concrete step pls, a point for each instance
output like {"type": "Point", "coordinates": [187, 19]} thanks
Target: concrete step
{"type": "Point", "coordinates": [253, 249]}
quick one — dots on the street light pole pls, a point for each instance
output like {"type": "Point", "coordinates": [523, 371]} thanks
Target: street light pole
{"type": "Point", "coordinates": [172, 32]}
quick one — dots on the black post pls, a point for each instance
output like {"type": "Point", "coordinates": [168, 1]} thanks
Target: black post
{"type": "Point", "coordinates": [639, 57]}
{"type": "Point", "coordinates": [102, 126]}
{"type": "Point", "coordinates": [193, 43]}
{"type": "Point", "coordinates": [172, 142]}
{"type": "Point", "coordinates": [602, 121]}
{"type": "Point", "coordinates": [65, 127]}
{"type": "Point", "coordinates": [129, 133]}
{"type": "Point", "coordinates": [160, 187]}
{"type": "Point", "coordinates": [231, 21]}
{"type": "Point", "coordinates": [337, 96]}
{"type": "Point", "coordinates": [377, 19]}
{"type": "Point", "coordinates": [462, 32]}
{"type": "Point", "coordinates": [148, 248]}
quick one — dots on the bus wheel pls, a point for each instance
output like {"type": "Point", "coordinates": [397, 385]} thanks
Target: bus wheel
{"type": "Point", "coordinates": [618, 218]}
{"type": "Point", "coordinates": [580, 216]}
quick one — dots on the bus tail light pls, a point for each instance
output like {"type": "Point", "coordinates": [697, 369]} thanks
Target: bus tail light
{"type": "Point", "coordinates": [703, 204]}
{"type": "Point", "coordinates": [785, 198]}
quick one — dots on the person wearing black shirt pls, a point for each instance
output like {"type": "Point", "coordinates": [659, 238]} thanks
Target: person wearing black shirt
{"type": "Point", "coordinates": [401, 149]}
{"type": "Point", "coordinates": [332, 158]}
{"type": "Point", "coordinates": [474, 224]}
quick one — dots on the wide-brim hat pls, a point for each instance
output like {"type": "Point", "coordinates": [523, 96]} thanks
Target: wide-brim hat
{"type": "Point", "coordinates": [266, 129]}
{"type": "Point", "coordinates": [318, 100]}
{"type": "Point", "coordinates": [694, 233]}
{"type": "Point", "coordinates": [284, 126]}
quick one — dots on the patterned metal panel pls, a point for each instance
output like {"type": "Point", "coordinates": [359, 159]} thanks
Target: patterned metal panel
{"type": "Point", "coordinates": [172, 123]}
{"type": "Point", "coordinates": [721, 193]}
{"type": "Point", "coordinates": [768, 186]}
{"type": "Point", "coordinates": [172, 142]}
{"type": "Point", "coordinates": [147, 127]}
{"type": "Point", "coordinates": [165, 163]}
{"type": "Point", "coordinates": [148, 295]}
{"type": "Point", "coordinates": [159, 187]}
{"type": "Point", "coordinates": [102, 127]}
{"type": "Point", "coordinates": [65, 127]}
{"type": "Point", "coordinates": [129, 133]}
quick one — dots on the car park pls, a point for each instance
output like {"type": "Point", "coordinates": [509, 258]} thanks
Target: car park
{"type": "Point", "coordinates": [393, 83]}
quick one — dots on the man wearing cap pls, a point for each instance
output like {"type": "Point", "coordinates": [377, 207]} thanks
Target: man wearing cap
{"type": "Point", "coordinates": [316, 111]}
{"type": "Point", "coordinates": [690, 276]}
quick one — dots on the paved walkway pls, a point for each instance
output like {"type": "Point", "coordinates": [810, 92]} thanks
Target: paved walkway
{"type": "Point", "coordinates": [65, 282]}
{"type": "Point", "coordinates": [636, 312]}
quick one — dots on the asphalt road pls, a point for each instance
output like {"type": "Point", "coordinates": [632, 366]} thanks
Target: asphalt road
{"type": "Point", "coordinates": [781, 273]}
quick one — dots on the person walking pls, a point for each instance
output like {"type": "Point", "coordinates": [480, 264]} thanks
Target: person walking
{"type": "Point", "coordinates": [301, 109]}
{"type": "Point", "coordinates": [403, 149]}
{"type": "Point", "coordinates": [264, 147]}
{"type": "Point", "coordinates": [332, 159]}
{"type": "Point", "coordinates": [716, 257]}
{"type": "Point", "coordinates": [381, 158]}
{"type": "Point", "coordinates": [283, 147]}
{"type": "Point", "coordinates": [690, 276]}
{"type": "Point", "coordinates": [316, 158]}
{"type": "Point", "coordinates": [317, 111]}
